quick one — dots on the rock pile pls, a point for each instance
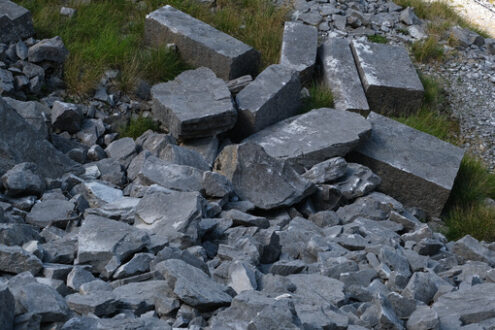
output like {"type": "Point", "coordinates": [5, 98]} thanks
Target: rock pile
{"type": "Point", "coordinates": [188, 230]}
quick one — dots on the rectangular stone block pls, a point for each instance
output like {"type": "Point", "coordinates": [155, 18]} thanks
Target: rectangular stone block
{"type": "Point", "coordinates": [201, 44]}
{"type": "Point", "coordinates": [15, 22]}
{"type": "Point", "coordinates": [299, 48]}
{"type": "Point", "coordinates": [271, 97]}
{"type": "Point", "coordinates": [389, 78]}
{"type": "Point", "coordinates": [416, 168]}
{"type": "Point", "coordinates": [341, 76]}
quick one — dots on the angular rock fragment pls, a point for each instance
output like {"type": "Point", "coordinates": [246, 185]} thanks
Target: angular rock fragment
{"type": "Point", "coordinates": [341, 76]}
{"type": "Point", "coordinates": [423, 318]}
{"type": "Point", "coordinates": [66, 117]}
{"type": "Point", "coordinates": [329, 170]}
{"type": "Point", "coordinates": [389, 78]}
{"type": "Point", "coordinates": [266, 182]}
{"type": "Point", "coordinates": [35, 113]}
{"type": "Point", "coordinates": [200, 44]}
{"type": "Point", "coordinates": [299, 46]}
{"type": "Point", "coordinates": [183, 156]}
{"type": "Point", "coordinates": [357, 181]}
{"type": "Point", "coordinates": [425, 165]}
{"type": "Point", "coordinates": [100, 304]}
{"type": "Point", "coordinates": [242, 277]}
{"type": "Point", "coordinates": [140, 297]}
{"type": "Point", "coordinates": [23, 179]}
{"type": "Point", "coordinates": [271, 97]}
{"type": "Point", "coordinates": [313, 137]}
{"type": "Point", "coordinates": [52, 212]}
{"type": "Point", "coordinates": [7, 308]}
{"type": "Point", "coordinates": [122, 150]}
{"type": "Point", "coordinates": [195, 104]}
{"type": "Point", "coordinates": [140, 263]}
{"type": "Point", "coordinates": [52, 50]}
{"type": "Point", "coordinates": [471, 249]}
{"type": "Point", "coordinates": [15, 22]}
{"type": "Point", "coordinates": [15, 260]}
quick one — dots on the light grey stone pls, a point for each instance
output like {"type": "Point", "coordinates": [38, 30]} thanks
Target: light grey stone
{"type": "Point", "coordinates": [15, 22]}
{"type": "Point", "coordinates": [424, 164]}
{"type": "Point", "coordinates": [236, 85]}
{"type": "Point", "coordinates": [327, 171]}
{"type": "Point", "coordinates": [77, 277]}
{"type": "Point", "coordinates": [421, 287]}
{"type": "Point", "coordinates": [196, 104]}
{"type": "Point", "coordinates": [200, 44]}
{"type": "Point", "coordinates": [183, 156]}
{"type": "Point", "coordinates": [341, 76]}
{"type": "Point", "coordinates": [271, 97]}
{"type": "Point", "coordinates": [471, 249]}
{"type": "Point", "coordinates": [465, 37]}
{"type": "Point", "coordinates": [313, 137]}
{"type": "Point", "coordinates": [266, 182]}
{"type": "Point", "coordinates": [52, 212]}
{"type": "Point", "coordinates": [122, 150]}
{"type": "Point", "coordinates": [67, 11]}
{"type": "Point", "coordinates": [240, 218]}
{"type": "Point", "coordinates": [408, 17]}
{"type": "Point", "coordinates": [52, 50]}
{"type": "Point", "coordinates": [241, 277]}
{"type": "Point", "coordinates": [98, 193]}
{"type": "Point", "coordinates": [100, 304]}
{"type": "Point", "coordinates": [318, 287]}
{"type": "Point", "coordinates": [389, 78]}
{"type": "Point", "coordinates": [423, 318]}
{"type": "Point", "coordinates": [299, 47]}
{"type": "Point", "coordinates": [15, 260]}
{"type": "Point", "coordinates": [357, 181]}
{"type": "Point", "coordinates": [140, 263]}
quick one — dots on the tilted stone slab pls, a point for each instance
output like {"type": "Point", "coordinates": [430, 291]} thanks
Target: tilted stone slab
{"type": "Point", "coordinates": [389, 79]}
{"type": "Point", "coordinates": [15, 22]}
{"type": "Point", "coordinates": [201, 44]}
{"type": "Point", "coordinates": [195, 104]}
{"type": "Point", "coordinates": [416, 168]}
{"type": "Point", "coordinates": [313, 137]}
{"type": "Point", "coordinates": [341, 76]}
{"type": "Point", "coordinates": [271, 97]}
{"type": "Point", "coordinates": [299, 48]}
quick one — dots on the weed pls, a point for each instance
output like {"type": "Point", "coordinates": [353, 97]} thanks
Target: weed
{"type": "Point", "coordinates": [320, 96]}
{"type": "Point", "coordinates": [138, 126]}
{"type": "Point", "coordinates": [427, 50]}
{"type": "Point", "coordinates": [379, 39]}
{"type": "Point", "coordinates": [403, 31]}
{"type": "Point", "coordinates": [477, 221]}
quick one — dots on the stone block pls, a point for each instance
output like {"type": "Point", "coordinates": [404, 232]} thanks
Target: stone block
{"type": "Point", "coordinates": [299, 48]}
{"type": "Point", "coordinates": [389, 78]}
{"type": "Point", "coordinates": [271, 97]}
{"type": "Point", "coordinates": [201, 44]}
{"type": "Point", "coordinates": [416, 168]}
{"type": "Point", "coordinates": [15, 22]}
{"type": "Point", "coordinates": [341, 76]}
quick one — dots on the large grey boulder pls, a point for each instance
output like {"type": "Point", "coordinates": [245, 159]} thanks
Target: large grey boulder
{"type": "Point", "coordinates": [265, 181]}
{"type": "Point", "coordinates": [195, 104]}
{"type": "Point", "coordinates": [15, 22]}
{"type": "Point", "coordinates": [140, 297]}
{"type": "Point", "coordinates": [200, 44]}
{"type": "Point", "coordinates": [192, 286]}
{"type": "Point", "coordinates": [424, 165]}
{"type": "Point", "coordinates": [313, 137]}
{"type": "Point", "coordinates": [389, 78]}
{"type": "Point", "coordinates": [469, 248]}
{"type": "Point", "coordinates": [54, 212]}
{"type": "Point", "coordinates": [341, 76]}
{"type": "Point", "coordinates": [299, 48]}
{"type": "Point", "coordinates": [23, 179]}
{"type": "Point", "coordinates": [466, 306]}
{"type": "Point", "coordinates": [35, 113]}
{"type": "Point", "coordinates": [7, 308]}
{"type": "Point", "coordinates": [15, 260]}
{"type": "Point", "coordinates": [271, 97]}
{"type": "Point", "coordinates": [18, 140]}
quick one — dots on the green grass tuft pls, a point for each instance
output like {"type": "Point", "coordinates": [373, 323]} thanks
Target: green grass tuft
{"type": "Point", "coordinates": [428, 50]}
{"type": "Point", "coordinates": [320, 96]}
{"type": "Point", "coordinates": [138, 126]}
{"type": "Point", "coordinates": [379, 39]}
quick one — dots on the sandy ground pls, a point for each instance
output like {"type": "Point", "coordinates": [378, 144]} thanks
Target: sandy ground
{"type": "Point", "coordinates": [479, 12]}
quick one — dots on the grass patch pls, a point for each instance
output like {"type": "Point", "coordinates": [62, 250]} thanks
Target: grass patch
{"type": "Point", "coordinates": [320, 96]}
{"type": "Point", "coordinates": [108, 34]}
{"type": "Point", "coordinates": [379, 39]}
{"type": "Point", "coordinates": [427, 50]}
{"type": "Point", "coordinates": [138, 126]}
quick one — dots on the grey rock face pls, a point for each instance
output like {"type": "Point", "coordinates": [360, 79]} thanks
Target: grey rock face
{"type": "Point", "coordinates": [466, 37]}
{"type": "Point", "coordinates": [122, 150]}
{"type": "Point", "coordinates": [33, 112]}
{"type": "Point", "coordinates": [15, 260]}
{"type": "Point", "coordinates": [52, 212]}
{"type": "Point", "coordinates": [467, 306]}
{"type": "Point", "coordinates": [140, 263]}
{"type": "Point", "coordinates": [184, 156]}
{"type": "Point", "coordinates": [242, 277]}
{"type": "Point", "coordinates": [226, 56]}
{"type": "Point", "coordinates": [399, 153]}
{"type": "Point", "coordinates": [192, 286]}
{"type": "Point", "coordinates": [100, 304]}
{"type": "Point", "coordinates": [266, 182]}
{"type": "Point", "coordinates": [327, 171]}
{"type": "Point", "coordinates": [423, 318]}
{"type": "Point", "coordinates": [389, 78]}
{"type": "Point", "coordinates": [7, 308]}
{"type": "Point", "coordinates": [18, 140]}
{"type": "Point", "coordinates": [15, 22]}
{"type": "Point", "coordinates": [23, 179]}
{"type": "Point", "coordinates": [77, 277]}
{"type": "Point", "coordinates": [195, 104]}
{"type": "Point", "coordinates": [299, 47]}
{"type": "Point", "coordinates": [313, 137]}
{"type": "Point", "coordinates": [52, 50]}
{"type": "Point", "coordinates": [66, 117]}
{"type": "Point", "coordinates": [6, 81]}
{"type": "Point", "coordinates": [216, 185]}
{"type": "Point", "coordinates": [470, 249]}
{"type": "Point", "coordinates": [357, 181]}
{"type": "Point", "coordinates": [271, 97]}
{"type": "Point", "coordinates": [140, 297]}
{"type": "Point", "coordinates": [341, 76]}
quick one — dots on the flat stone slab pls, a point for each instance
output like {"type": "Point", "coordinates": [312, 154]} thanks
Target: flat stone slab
{"type": "Point", "coordinates": [15, 22]}
{"type": "Point", "coordinates": [201, 44]}
{"type": "Point", "coordinates": [271, 97]}
{"type": "Point", "coordinates": [341, 76]}
{"type": "Point", "coordinates": [195, 104]}
{"type": "Point", "coordinates": [416, 168]}
{"type": "Point", "coordinates": [299, 48]}
{"type": "Point", "coordinates": [389, 78]}
{"type": "Point", "coordinates": [313, 137]}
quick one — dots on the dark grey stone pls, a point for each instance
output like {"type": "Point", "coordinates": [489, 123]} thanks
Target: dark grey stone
{"type": "Point", "coordinates": [15, 22]}
{"type": "Point", "coordinates": [35, 113]}
{"type": "Point", "coordinates": [102, 303]}
{"type": "Point", "coordinates": [77, 277]}
{"type": "Point", "coordinates": [271, 97]}
{"type": "Point", "coordinates": [357, 181]}
{"type": "Point", "coordinates": [313, 137]}
{"type": "Point", "coordinates": [389, 78]}
{"type": "Point", "coordinates": [285, 268]}
{"type": "Point", "coordinates": [240, 218]}
{"type": "Point", "coordinates": [66, 117]}
{"type": "Point", "coordinates": [424, 164]}
{"type": "Point", "coordinates": [200, 44]}
{"type": "Point", "coordinates": [6, 81]}
{"type": "Point", "coordinates": [465, 37]}
{"type": "Point", "coordinates": [421, 287]}
{"type": "Point", "coordinates": [91, 131]}
{"type": "Point", "coordinates": [17, 234]}
{"type": "Point", "coordinates": [60, 251]}
{"type": "Point", "coordinates": [216, 185]}
{"type": "Point", "coordinates": [23, 179]}
{"type": "Point", "coordinates": [341, 76]}
{"type": "Point", "coordinates": [52, 212]}
{"type": "Point", "coordinates": [122, 150]}
{"type": "Point", "coordinates": [207, 147]}
{"type": "Point", "coordinates": [423, 318]}
{"type": "Point", "coordinates": [299, 47]}
{"type": "Point", "coordinates": [184, 156]}
{"type": "Point", "coordinates": [112, 171]}
{"type": "Point", "coordinates": [471, 249]}
{"type": "Point", "coordinates": [265, 181]}
{"type": "Point", "coordinates": [237, 84]}
{"type": "Point", "coordinates": [140, 263]}
{"type": "Point", "coordinates": [15, 260]}
{"type": "Point", "coordinates": [7, 308]}
{"type": "Point", "coordinates": [52, 50]}
{"type": "Point", "coordinates": [195, 104]}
